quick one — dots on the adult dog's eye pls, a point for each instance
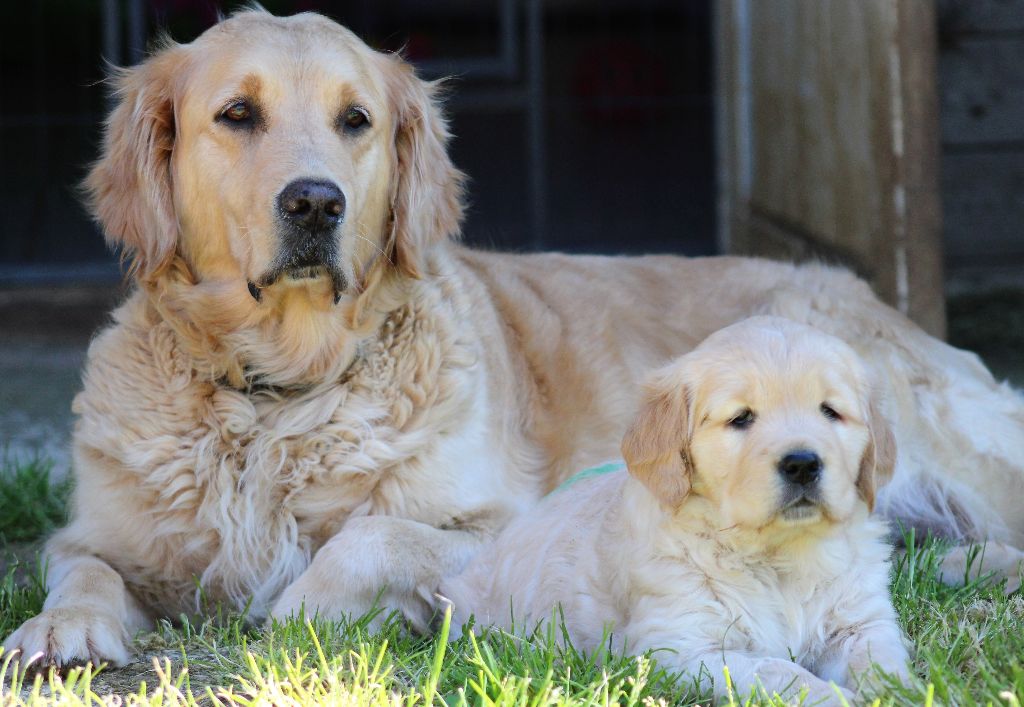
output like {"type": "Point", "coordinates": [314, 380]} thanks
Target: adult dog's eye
{"type": "Point", "coordinates": [238, 113]}
{"type": "Point", "coordinates": [742, 420]}
{"type": "Point", "coordinates": [355, 118]}
{"type": "Point", "coordinates": [829, 412]}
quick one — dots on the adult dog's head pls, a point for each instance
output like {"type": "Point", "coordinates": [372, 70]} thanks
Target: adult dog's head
{"type": "Point", "coordinates": [771, 421]}
{"type": "Point", "coordinates": [278, 156]}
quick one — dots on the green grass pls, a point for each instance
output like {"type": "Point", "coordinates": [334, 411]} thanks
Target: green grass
{"type": "Point", "coordinates": [30, 504]}
{"type": "Point", "coordinates": [968, 642]}
{"type": "Point", "coordinates": [21, 596]}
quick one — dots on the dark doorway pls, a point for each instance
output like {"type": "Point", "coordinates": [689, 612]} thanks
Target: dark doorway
{"type": "Point", "coordinates": [585, 126]}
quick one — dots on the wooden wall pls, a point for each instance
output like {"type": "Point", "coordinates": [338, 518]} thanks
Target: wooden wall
{"type": "Point", "coordinates": [981, 86]}
{"type": "Point", "coordinates": [828, 140]}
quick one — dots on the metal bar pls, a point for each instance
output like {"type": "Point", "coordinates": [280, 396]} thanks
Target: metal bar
{"type": "Point", "coordinates": [136, 31]}
{"type": "Point", "coordinates": [468, 67]}
{"type": "Point", "coordinates": [504, 66]}
{"type": "Point", "coordinates": [111, 17]}
{"type": "Point", "coordinates": [724, 109]}
{"type": "Point", "coordinates": [535, 113]}
{"type": "Point", "coordinates": [744, 119]}
{"type": "Point", "coordinates": [36, 120]}
{"type": "Point", "coordinates": [509, 39]}
{"type": "Point", "coordinates": [59, 273]}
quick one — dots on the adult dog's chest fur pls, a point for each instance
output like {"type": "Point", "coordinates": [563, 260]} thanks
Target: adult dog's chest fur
{"type": "Point", "coordinates": [242, 487]}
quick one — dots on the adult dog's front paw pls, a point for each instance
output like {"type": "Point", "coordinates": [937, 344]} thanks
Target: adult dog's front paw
{"type": "Point", "coordinates": [68, 636]}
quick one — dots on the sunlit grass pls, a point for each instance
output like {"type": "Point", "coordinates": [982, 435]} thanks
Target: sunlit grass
{"type": "Point", "coordinates": [968, 643]}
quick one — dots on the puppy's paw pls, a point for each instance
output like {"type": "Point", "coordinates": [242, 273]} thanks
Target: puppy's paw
{"type": "Point", "coordinates": [334, 603]}
{"type": "Point", "coordinates": [69, 636]}
{"type": "Point", "coordinates": [830, 695]}
{"type": "Point", "coordinates": [309, 599]}
{"type": "Point", "coordinates": [789, 680]}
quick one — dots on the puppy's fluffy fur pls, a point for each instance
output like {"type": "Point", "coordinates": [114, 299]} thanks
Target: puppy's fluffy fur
{"type": "Point", "coordinates": [706, 547]}
{"type": "Point", "coordinates": [240, 427]}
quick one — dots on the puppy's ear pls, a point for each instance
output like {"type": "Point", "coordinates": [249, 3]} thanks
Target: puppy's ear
{"type": "Point", "coordinates": [427, 189]}
{"type": "Point", "coordinates": [129, 189]}
{"type": "Point", "coordinates": [656, 446]}
{"type": "Point", "coordinates": [879, 460]}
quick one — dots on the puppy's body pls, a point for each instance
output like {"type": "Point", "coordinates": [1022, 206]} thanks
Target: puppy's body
{"type": "Point", "coordinates": [700, 599]}
{"type": "Point", "coordinates": [296, 411]}
{"type": "Point", "coordinates": [703, 553]}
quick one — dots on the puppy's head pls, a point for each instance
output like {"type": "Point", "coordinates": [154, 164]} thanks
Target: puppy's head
{"type": "Point", "coordinates": [773, 422]}
{"type": "Point", "coordinates": [275, 153]}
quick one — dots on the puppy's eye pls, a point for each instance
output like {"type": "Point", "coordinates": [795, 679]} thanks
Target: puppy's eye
{"type": "Point", "coordinates": [355, 118]}
{"type": "Point", "coordinates": [744, 419]}
{"type": "Point", "coordinates": [830, 413]}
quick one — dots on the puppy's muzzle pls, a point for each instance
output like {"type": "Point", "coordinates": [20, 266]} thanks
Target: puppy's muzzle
{"type": "Point", "coordinates": [801, 467]}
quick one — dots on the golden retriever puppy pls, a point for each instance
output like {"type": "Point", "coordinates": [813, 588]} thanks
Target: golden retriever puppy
{"type": "Point", "coordinates": [315, 396]}
{"type": "Point", "coordinates": [740, 537]}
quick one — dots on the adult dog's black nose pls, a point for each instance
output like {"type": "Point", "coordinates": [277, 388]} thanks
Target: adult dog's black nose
{"type": "Point", "coordinates": [801, 467]}
{"type": "Point", "coordinates": [314, 205]}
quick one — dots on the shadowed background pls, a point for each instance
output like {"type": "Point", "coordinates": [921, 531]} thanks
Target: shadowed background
{"type": "Point", "coordinates": [586, 126]}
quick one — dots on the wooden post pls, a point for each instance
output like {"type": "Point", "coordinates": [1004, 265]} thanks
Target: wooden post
{"type": "Point", "coordinates": [829, 142]}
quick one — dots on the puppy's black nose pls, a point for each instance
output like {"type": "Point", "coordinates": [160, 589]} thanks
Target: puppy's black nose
{"type": "Point", "coordinates": [314, 205]}
{"type": "Point", "coordinates": [801, 467]}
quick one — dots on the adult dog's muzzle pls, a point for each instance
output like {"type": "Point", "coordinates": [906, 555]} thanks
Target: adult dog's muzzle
{"type": "Point", "coordinates": [309, 213]}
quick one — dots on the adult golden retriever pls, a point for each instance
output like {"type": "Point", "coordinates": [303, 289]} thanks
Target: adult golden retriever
{"type": "Point", "coordinates": [741, 536]}
{"type": "Point", "coordinates": [313, 395]}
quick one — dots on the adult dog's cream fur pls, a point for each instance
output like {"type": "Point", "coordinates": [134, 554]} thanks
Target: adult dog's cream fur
{"type": "Point", "coordinates": [708, 549]}
{"type": "Point", "coordinates": [239, 427]}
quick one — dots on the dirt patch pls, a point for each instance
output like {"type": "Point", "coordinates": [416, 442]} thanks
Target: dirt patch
{"type": "Point", "coordinates": [151, 657]}
{"type": "Point", "coordinates": [147, 664]}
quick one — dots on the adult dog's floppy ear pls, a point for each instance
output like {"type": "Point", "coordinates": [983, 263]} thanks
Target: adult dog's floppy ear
{"type": "Point", "coordinates": [656, 447]}
{"type": "Point", "coordinates": [129, 188]}
{"type": "Point", "coordinates": [427, 189]}
{"type": "Point", "coordinates": [879, 460]}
